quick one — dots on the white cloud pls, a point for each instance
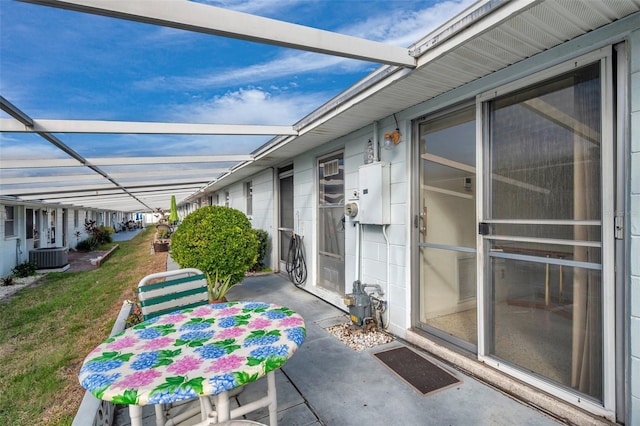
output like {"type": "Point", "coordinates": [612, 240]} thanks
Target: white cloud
{"type": "Point", "coordinates": [254, 6]}
{"type": "Point", "coordinates": [284, 66]}
{"type": "Point", "coordinates": [405, 27]}
{"type": "Point", "coordinates": [251, 106]}
{"type": "Point", "coordinates": [400, 28]}
{"type": "Point", "coordinates": [21, 147]}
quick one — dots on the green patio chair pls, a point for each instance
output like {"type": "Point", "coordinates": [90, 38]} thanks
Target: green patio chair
{"type": "Point", "coordinates": [168, 292]}
{"type": "Point", "coordinates": [180, 289]}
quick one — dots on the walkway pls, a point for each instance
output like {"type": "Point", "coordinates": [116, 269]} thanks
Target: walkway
{"type": "Point", "coordinates": [125, 235]}
{"type": "Point", "coordinates": [327, 383]}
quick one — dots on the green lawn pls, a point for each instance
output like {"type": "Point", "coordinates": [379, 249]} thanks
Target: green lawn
{"type": "Point", "coordinates": [48, 328]}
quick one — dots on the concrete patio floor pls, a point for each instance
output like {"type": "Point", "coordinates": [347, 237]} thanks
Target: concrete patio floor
{"type": "Point", "coordinates": [328, 383]}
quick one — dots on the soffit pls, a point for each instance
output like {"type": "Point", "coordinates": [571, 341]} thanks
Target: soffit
{"type": "Point", "coordinates": [533, 29]}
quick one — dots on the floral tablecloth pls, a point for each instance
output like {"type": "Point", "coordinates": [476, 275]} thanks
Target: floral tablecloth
{"type": "Point", "coordinates": [192, 352]}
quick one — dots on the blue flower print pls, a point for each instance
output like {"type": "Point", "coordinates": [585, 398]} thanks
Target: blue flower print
{"type": "Point", "coordinates": [184, 393]}
{"type": "Point", "coordinates": [145, 361]}
{"type": "Point", "coordinates": [295, 335]}
{"type": "Point", "coordinates": [197, 335]}
{"type": "Point", "coordinates": [227, 322]}
{"type": "Point", "coordinates": [223, 305]}
{"type": "Point", "coordinates": [161, 398]}
{"type": "Point", "coordinates": [195, 326]}
{"type": "Point", "coordinates": [256, 305]}
{"type": "Point", "coordinates": [261, 341]}
{"type": "Point", "coordinates": [97, 381]}
{"type": "Point", "coordinates": [267, 351]}
{"type": "Point", "coordinates": [101, 366]}
{"type": "Point", "coordinates": [211, 352]}
{"type": "Point", "coordinates": [274, 315]}
{"type": "Point", "coordinates": [222, 383]}
{"type": "Point", "coordinates": [152, 320]}
{"type": "Point", "coordinates": [149, 333]}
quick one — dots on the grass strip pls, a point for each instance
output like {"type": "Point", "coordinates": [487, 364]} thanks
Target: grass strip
{"type": "Point", "coordinates": [48, 329]}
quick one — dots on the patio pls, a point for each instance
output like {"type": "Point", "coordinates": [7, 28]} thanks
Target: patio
{"type": "Point", "coordinates": [328, 383]}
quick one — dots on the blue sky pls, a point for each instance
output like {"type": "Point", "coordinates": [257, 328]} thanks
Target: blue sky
{"type": "Point", "coordinates": [58, 64]}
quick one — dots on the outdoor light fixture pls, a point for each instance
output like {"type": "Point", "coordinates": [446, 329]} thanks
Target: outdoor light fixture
{"type": "Point", "coordinates": [392, 139]}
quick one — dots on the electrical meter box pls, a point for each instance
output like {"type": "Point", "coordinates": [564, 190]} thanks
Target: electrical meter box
{"type": "Point", "coordinates": [374, 207]}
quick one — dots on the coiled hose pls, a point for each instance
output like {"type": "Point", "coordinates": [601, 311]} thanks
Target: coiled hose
{"type": "Point", "coordinates": [296, 265]}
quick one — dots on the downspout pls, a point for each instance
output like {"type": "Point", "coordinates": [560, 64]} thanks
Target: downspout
{"type": "Point", "coordinates": [275, 249]}
{"type": "Point", "coordinates": [376, 143]}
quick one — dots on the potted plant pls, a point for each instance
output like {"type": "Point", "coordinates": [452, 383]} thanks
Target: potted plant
{"type": "Point", "coordinates": [162, 238]}
{"type": "Point", "coordinates": [220, 242]}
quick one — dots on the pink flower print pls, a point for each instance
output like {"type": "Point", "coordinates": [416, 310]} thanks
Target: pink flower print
{"type": "Point", "coordinates": [184, 365]}
{"type": "Point", "coordinates": [96, 351]}
{"type": "Point", "coordinates": [172, 319]}
{"type": "Point", "coordinates": [158, 343]}
{"type": "Point", "coordinates": [259, 323]}
{"type": "Point", "coordinates": [230, 333]}
{"type": "Point", "coordinates": [125, 342]}
{"type": "Point", "coordinates": [202, 311]}
{"type": "Point", "coordinates": [291, 321]}
{"type": "Point", "coordinates": [226, 363]}
{"type": "Point", "coordinates": [137, 379]}
{"type": "Point", "coordinates": [230, 311]}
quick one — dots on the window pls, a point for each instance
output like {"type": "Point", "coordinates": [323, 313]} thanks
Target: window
{"type": "Point", "coordinates": [249, 193]}
{"type": "Point", "coordinates": [9, 221]}
{"type": "Point", "coordinates": [76, 219]}
{"type": "Point", "coordinates": [29, 228]}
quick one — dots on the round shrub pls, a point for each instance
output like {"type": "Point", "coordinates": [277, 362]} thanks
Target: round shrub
{"type": "Point", "coordinates": [217, 240]}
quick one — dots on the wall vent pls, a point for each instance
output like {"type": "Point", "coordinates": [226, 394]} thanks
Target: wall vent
{"type": "Point", "coordinates": [331, 168]}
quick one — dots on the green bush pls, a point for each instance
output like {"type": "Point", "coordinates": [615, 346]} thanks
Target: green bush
{"type": "Point", "coordinates": [102, 235]}
{"type": "Point", "coordinates": [85, 245]}
{"type": "Point", "coordinates": [108, 229]}
{"type": "Point", "coordinates": [25, 269]}
{"type": "Point", "coordinates": [97, 236]}
{"type": "Point", "coordinates": [217, 240]}
{"type": "Point", "coordinates": [8, 280]}
{"type": "Point", "coordinates": [163, 234]}
{"type": "Point", "coordinates": [263, 245]}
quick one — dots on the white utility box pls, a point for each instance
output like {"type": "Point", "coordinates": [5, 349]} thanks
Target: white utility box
{"type": "Point", "coordinates": [374, 207]}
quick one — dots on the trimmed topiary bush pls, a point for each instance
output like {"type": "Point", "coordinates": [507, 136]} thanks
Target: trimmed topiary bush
{"type": "Point", "coordinates": [220, 242]}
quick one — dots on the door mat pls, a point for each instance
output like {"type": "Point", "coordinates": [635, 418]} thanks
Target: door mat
{"type": "Point", "coordinates": [423, 375]}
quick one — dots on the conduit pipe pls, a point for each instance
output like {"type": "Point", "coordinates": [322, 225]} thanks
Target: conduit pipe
{"type": "Point", "coordinates": [357, 251]}
{"type": "Point", "coordinates": [386, 239]}
{"type": "Point", "coordinates": [376, 143]}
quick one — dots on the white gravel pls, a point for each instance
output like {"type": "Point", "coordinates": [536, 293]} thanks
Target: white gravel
{"type": "Point", "coordinates": [8, 290]}
{"type": "Point", "coordinates": [357, 339]}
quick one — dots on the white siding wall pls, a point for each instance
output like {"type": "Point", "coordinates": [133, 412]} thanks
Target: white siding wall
{"type": "Point", "coordinates": [353, 158]}
{"type": "Point", "coordinates": [12, 248]}
{"type": "Point", "coordinates": [304, 202]}
{"type": "Point", "coordinates": [263, 212]}
{"type": "Point", "coordinates": [263, 201]}
{"type": "Point", "coordinates": [634, 256]}
{"type": "Point", "coordinates": [237, 199]}
{"type": "Point", "coordinates": [382, 261]}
